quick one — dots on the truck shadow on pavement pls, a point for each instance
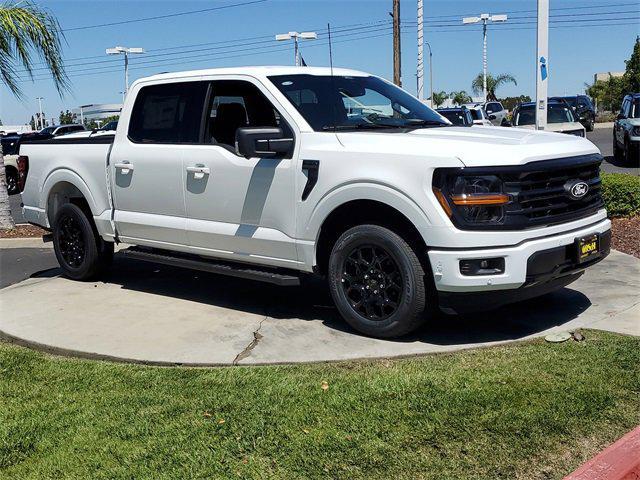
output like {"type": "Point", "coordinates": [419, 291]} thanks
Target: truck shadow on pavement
{"type": "Point", "coordinates": [312, 302]}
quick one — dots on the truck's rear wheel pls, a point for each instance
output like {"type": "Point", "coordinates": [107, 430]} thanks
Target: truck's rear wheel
{"type": "Point", "coordinates": [377, 282]}
{"type": "Point", "coordinates": [81, 252]}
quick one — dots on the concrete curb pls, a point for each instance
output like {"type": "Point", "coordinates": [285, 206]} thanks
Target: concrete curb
{"type": "Point", "coordinates": [619, 461]}
{"type": "Point", "coordinates": [603, 125]}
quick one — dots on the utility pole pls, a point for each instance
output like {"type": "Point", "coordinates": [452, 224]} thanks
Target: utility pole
{"type": "Point", "coordinates": [430, 73]}
{"type": "Point", "coordinates": [420, 85]}
{"type": "Point", "coordinates": [40, 119]}
{"type": "Point", "coordinates": [295, 35]}
{"type": "Point", "coordinates": [126, 52]}
{"type": "Point", "coordinates": [484, 18]}
{"type": "Point", "coordinates": [397, 68]}
{"type": "Point", "coordinates": [542, 64]}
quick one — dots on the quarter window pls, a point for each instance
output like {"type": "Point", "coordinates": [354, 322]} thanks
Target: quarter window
{"type": "Point", "coordinates": [168, 113]}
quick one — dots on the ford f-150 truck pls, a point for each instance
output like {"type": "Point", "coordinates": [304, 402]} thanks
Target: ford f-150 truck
{"type": "Point", "coordinates": [272, 173]}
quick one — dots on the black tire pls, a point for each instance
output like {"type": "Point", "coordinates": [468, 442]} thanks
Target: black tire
{"type": "Point", "coordinates": [617, 151]}
{"type": "Point", "coordinates": [81, 252]}
{"type": "Point", "coordinates": [590, 125]}
{"type": "Point", "coordinates": [395, 309]}
{"type": "Point", "coordinates": [12, 181]}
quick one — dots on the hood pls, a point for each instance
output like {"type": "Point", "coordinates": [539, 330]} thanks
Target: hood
{"type": "Point", "coordinates": [634, 121]}
{"type": "Point", "coordinates": [557, 127]}
{"type": "Point", "coordinates": [472, 146]}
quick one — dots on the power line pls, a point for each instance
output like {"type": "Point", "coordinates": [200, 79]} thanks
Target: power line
{"type": "Point", "coordinates": [158, 17]}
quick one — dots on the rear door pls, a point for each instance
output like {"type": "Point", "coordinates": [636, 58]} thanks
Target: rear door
{"type": "Point", "coordinates": [146, 170]}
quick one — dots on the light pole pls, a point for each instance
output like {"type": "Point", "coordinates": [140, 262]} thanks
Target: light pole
{"type": "Point", "coordinates": [40, 119]}
{"type": "Point", "coordinates": [542, 61]}
{"type": "Point", "coordinates": [295, 35]}
{"type": "Point", "coordinates": [430, 72]}
{"type": "Point", "coordinates": [420, 83]}
{"type": "Point", "coordinates": [126, 51]}
{"type": "Point", "coordinates": [484, 18]}
{"type": "Point", "coordinates": [82, 107]}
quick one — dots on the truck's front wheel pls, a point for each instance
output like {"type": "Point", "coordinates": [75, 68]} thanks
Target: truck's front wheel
{"type": "Point", "coordinates": [81, 252]}
{"type": "Point", "coordinates": [377, 282]}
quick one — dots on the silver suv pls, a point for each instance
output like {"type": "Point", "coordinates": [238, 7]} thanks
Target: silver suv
{"type": "Point", "coordinates": [626, 131]}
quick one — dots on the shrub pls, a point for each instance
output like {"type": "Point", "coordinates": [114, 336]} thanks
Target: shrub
{"type": "Point", "coordinates": [621, 194]}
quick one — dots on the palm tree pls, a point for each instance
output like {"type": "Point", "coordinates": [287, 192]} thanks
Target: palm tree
{"type": "Point", "coordinates": [439, 98]}
{"type": "Point", "coordinates": [460, 98]}
{"type": "Point", "coordinates": [493, 83]}
{"type": "Point", "coordinates": [26, 29]}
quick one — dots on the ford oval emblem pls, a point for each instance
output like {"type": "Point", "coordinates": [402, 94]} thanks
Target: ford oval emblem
{"type": "Point", "coordinates": [577, 190]}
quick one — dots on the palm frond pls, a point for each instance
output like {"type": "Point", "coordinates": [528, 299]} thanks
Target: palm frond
{"type": "Point", "coordinates": [27, 29]}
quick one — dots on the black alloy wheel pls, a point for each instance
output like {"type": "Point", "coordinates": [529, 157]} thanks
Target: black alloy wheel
{"type": "Point", "coordinates": [12, 182]}
{"type": "Point", "coordinates": [372, 282]}
{"type": "Point", "coordinates": [378, 283]}
{"type": "Point", "coordinates": [71, 240]}
{"type": "Point", "coordinates": [81, 252]}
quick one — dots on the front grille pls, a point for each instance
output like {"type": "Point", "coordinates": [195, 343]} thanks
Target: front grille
{"type": "Point", "coordinates": [540, 194]}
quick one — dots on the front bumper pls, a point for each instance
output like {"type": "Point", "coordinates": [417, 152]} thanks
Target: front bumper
{"type": "Point", "coordinates": [445, 263]}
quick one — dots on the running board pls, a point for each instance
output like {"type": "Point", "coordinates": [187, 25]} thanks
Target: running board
{"type": "Point", "coordinates": [276, 276]}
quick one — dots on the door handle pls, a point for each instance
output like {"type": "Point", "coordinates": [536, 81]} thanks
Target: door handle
{"type": "Point", "coordinates": [125, 166]}
{"type": "Point", "coordinates": [199, 171]}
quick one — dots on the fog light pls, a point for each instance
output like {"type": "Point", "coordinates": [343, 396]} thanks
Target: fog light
{"type": "Point", "coordinates": [482, 266]}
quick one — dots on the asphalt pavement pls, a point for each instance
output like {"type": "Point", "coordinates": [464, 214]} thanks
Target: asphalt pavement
{"type": "Point", "coordinates": [601, 137]}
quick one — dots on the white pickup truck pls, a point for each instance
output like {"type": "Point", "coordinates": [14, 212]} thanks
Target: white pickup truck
{"type": "Point", "coordinates": [272, 173]}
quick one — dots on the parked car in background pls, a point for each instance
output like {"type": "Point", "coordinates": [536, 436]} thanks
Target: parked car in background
{"type": "Point", "coordinates": [626, 130]}
{"type": "Point", "coordinates": [57, 130]}
{"type": "Point", "coordinates": [275, 173]}
{"type": "Point", "coordinates": [459, 116]}
{"type": "Point", "coordinates": [560, 118]}
{"type": "Point", "coordinates": [583, 109]}
{"type": "Point", "coordinates": [9, 152]}
{"type": "Point", "coordinates": [478, 114]}
{"type": "Point", "coordinates": [496, 113]}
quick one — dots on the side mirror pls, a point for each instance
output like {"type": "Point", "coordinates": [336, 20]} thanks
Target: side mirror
{"type": "Point", "coordinates": [621, 116]}
{"type": "Point", "coordinates": [262, 142]}
{"type": "Point", "coordinates": [492, 117]}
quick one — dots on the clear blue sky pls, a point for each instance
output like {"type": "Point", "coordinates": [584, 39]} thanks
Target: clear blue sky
{"type": "Point", "coordinates": [575, 52]}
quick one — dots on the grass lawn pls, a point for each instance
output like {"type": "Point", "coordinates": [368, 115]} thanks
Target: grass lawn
{"type": "Point", "coordinates": [532, 410]}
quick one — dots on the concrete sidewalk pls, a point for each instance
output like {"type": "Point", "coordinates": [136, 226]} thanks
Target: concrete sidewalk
{"type": "Point", "coordinates": [155, 314]}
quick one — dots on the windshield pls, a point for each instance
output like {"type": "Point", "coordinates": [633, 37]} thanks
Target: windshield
{"type": "Point", "coordinates": [556, 113]}
{"type": "Point", "coordinates": [457, 117]}
{"type": "Point", "coordinates": [344, 103]}
{"type": "Point", "coordinates": [110, 126]}
{"type": "Point", "coordinates": [48, 130]}
{"type": "Point", "coordinates": [572, 101]}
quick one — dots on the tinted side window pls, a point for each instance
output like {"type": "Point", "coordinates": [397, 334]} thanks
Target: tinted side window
{"type": "Point", "coordinates": [236, 104]}
{"type": "Point", "coordinates": [168, 113]}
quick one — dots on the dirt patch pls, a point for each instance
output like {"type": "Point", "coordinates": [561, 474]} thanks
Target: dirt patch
{"type": "Point", "coordinates": [23, 231]}
{"type": "Point", "coordinates": [625, 235]}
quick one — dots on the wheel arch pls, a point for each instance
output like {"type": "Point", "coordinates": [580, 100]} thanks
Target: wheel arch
{"type": "Point", "coordinates": [65, 186]}
{"type": "Point", "coordinates": [387, 208]}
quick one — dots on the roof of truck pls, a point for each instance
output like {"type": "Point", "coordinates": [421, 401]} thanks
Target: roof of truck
{"type": "Point", "coordinates": [260, 71]}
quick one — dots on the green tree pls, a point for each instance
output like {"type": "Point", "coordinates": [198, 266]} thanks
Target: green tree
{"type": "Point", "coordinates": [26, 29]}
{"type": "Point", "coordinates": [632, 72]}
{"type": "Point", "coordinates": [439, 98]}
{"type": "Point", "coordinates": [67, 117]}
{"type": "Point", "coordinates": [460, 98]}
{"type": "Point", "coordinates": [510, 102]}
{"type": "Point", "coordinates": [493, 83]}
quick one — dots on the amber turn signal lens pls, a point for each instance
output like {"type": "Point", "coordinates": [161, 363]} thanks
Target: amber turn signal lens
{"type": "Point", "coordinates": [443, 201]}
{"type": "Point", "coordinates": [480, 199]}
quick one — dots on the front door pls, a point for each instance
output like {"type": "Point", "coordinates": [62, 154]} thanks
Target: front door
{"type": "Point", "coordinates": [240, 208]}
{"type": "Point", "coordinates": [145, 165]}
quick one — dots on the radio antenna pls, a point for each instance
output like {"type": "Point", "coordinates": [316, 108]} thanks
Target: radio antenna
{"type": "Point", "coordinates": [333, 83]}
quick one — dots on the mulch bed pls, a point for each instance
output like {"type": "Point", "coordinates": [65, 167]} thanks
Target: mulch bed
{"type": "Point", "coordinates": [625, 235]}
{"type": "Point", "coordinates": [23, 231]}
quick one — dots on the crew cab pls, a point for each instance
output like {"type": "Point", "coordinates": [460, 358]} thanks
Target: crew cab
{"type": "Point", "coordinates": [274, 173]}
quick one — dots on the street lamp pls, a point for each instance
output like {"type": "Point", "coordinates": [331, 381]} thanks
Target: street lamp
{"type": "Point", "coordinates": [40, 119]}
{"type": "Point", "coordinates": [126, 51]}
{"type": "Point", "coordinates": [295, 36]}
{"type": "Point", "coordinates": [484, 18]}
{"type": "Point", "coordinates": [82, 107]}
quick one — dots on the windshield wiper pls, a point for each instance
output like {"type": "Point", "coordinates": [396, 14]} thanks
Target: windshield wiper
{"type": "Point", "coordinates": [419, 122]}
{"type": "Point", "coordinates": [361, 126]}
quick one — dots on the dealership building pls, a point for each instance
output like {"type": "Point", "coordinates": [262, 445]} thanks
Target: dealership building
{"type": "Point", "coordinates": [97, 111]}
